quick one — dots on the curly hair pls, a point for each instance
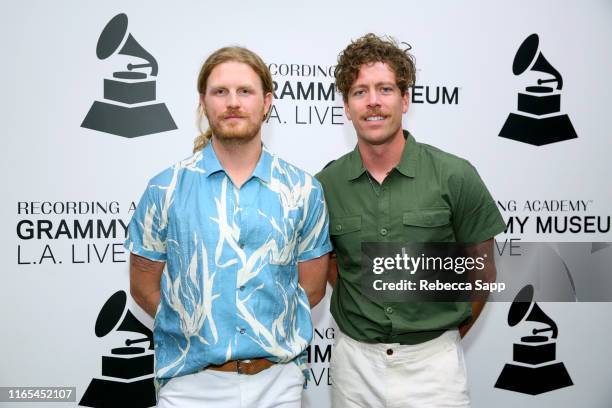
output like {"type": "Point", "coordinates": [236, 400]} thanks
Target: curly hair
{"type": "Point", "coordinates": [369, 49]}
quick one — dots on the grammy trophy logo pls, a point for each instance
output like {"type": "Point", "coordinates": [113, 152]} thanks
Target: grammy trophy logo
{"type": "Point", "coordinates": [534, 369]}
{"type": "Point", "coordinates": [127, 373]}
{"type": "Point", "coordinates": [538, 121]}
{"type": "Point", "coordinates": [129, 107]}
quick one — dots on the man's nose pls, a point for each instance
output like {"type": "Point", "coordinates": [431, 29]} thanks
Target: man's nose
{"type": "Point", "coordinates": [232, 100]}
{"type": "Point", "coordinates": [373, 100]}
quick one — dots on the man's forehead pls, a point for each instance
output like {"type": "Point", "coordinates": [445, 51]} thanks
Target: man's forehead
{"type": "Point", "coordinates": [377, 71]}
{"type": "Point", "coordinates": [233, 72]}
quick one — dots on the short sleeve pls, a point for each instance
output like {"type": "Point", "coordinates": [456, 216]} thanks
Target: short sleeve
{"type": "Point", "coordinates": [148, 227]}
{"type": "Point", "coordinates": [476, 217]}
{"type": "Point", "coordinates": [314, 236]}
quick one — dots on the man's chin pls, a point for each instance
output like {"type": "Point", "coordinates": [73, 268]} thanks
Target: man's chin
{"type": "Point", "coordinates": [236, 136]}
{"type": "Point", "coordinates": [376, 139]}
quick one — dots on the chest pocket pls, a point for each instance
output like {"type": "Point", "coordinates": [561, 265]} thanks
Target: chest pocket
{"type": "Point", "coordinates": [428, 225]}
{"type": "Point", "coordinates": [346, 238]}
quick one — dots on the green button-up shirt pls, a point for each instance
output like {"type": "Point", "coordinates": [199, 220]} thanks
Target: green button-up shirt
{"type": "Point", "coordinates": [430, 196]}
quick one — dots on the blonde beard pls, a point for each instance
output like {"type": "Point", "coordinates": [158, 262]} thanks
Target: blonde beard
{"type": "Point", "coordinates": [235, 135]}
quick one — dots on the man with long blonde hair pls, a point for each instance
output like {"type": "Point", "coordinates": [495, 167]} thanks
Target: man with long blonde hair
{"type": "Point", "coordinates": [229, 251]}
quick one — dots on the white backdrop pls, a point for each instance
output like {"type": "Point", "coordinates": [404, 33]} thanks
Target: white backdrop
{"type": "Point", "coordinates": [50, 77]}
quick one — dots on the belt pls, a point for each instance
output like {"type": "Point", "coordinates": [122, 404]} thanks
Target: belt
{"type": "Point", "coordinates": [250, 367]}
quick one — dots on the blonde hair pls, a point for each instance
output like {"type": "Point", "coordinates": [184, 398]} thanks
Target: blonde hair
{"type": "Point", "coordinates": [222, 55]}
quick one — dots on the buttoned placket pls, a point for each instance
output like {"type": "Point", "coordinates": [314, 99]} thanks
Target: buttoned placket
{"type": "Point", "coordinates": [245, 198]}
{"type": "Point", "coordinates": [382, 217]}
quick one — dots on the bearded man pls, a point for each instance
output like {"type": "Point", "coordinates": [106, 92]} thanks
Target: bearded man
{"type": "Point", "coordinates": [229, 251]}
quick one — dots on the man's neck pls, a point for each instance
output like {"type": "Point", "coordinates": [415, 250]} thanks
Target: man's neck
{"type": "Point", "coordinates": [379, 160]}
{"type": "Point", "coordinates": [238, 159]}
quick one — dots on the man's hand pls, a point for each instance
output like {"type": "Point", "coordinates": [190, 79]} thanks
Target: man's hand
{"type": "Point", "coordinates": [145, 281]}
{"type": "Point", "coordinates": [488, 274]}
{"type": "Point", "coordinates": [313, 278]}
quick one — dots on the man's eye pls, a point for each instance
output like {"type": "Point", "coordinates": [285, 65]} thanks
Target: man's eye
{"type": "Point", "coordinates": [245, 91]}
{"type": "Point", "coordinates": [219, 92]}
{"type": "Point", "coordinates": [358, 92]}
{"type": "Point", "coordinates": [386, 89]}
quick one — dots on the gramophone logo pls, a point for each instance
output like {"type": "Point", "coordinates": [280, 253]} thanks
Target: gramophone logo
{"type": "Point", "coordinates": [129, 107]}
{"type": "Point", "coordinates": [534, 369]}
{"type": "Point", "coordinates": [127, 373]}
{"type": "Point", "coordinates": [538, 121]}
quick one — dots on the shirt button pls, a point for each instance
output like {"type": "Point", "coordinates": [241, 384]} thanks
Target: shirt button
{"type": "Point", "coordinates": [242, 331]}
{"type": "Point", "coordinates": [389, 352]}
{"type": "Point", "coordinates": [241, 287]}
{"type": "Point", "coordinates": [383, 231]}
{"type": "Point", "coordinates": [338, 227]}
{"type": "Point", "coordinates": [241, 245]}
{"type": "Point", "coordinates": [389, 310]}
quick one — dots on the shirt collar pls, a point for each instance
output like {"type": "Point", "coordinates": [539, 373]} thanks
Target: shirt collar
{"type": "Point", "coordinates": [406, 166]}
{"type": "Point", "coordinates": [356, 167]}
{"type": "Point", "coordinates": [210, 162]}
{"type": "Point", "coordinates": [410, 156]}
{"type": "Point", "coordinates": [262, 170]}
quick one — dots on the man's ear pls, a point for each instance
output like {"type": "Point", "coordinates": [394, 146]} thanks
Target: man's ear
{"type": "Point", "coordinates": [346, 111]}
{"type": "Point", "coordinates": [202, 105]}
{"type": "Point", "coordinates": [267, 103]}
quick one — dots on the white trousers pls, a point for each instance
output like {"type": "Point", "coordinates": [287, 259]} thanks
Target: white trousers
{"type": "Point", "coordinates": [278, 386]}
{"type": "Point", "coordinates": [430, 374]}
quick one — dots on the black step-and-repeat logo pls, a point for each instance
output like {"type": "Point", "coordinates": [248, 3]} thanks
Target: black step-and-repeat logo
{"type": "Point", "coordinates": [534, 369]}
{"type": "Point", "coordinates": [128, 108]}
{"type": "Point", "coordinates": [538, 121]}
{"type": "Point", "coordinates": [128, 371]}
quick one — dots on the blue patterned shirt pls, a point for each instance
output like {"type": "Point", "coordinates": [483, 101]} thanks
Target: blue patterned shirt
{"type": "Point", "coordinates": [230, 287]}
